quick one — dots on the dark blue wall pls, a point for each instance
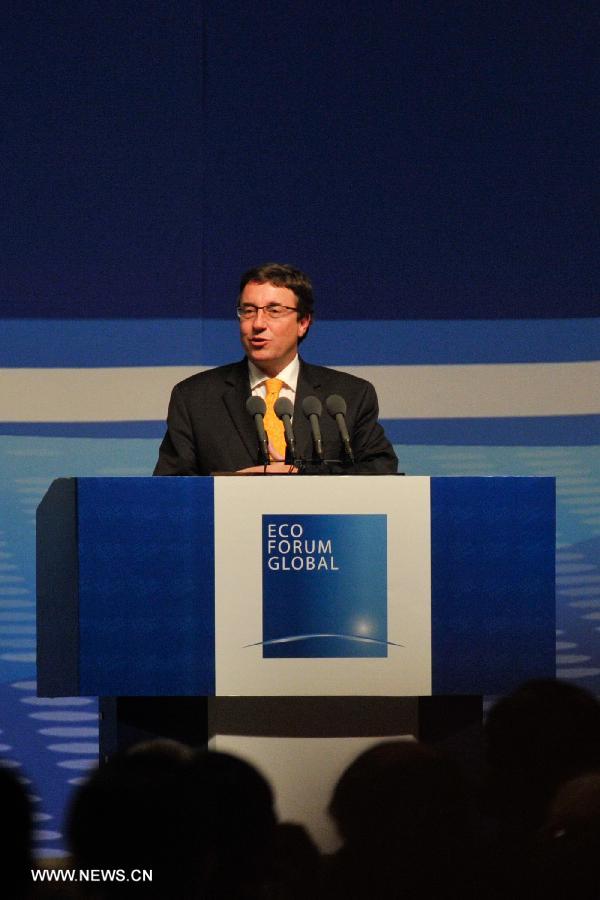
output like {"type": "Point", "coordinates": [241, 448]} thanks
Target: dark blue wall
{"type": "Point", "coordinates": [421, 160]}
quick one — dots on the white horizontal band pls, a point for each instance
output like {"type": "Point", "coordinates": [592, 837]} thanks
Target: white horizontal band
{"type": "Point", "coordinates": [414, 392]}
{"type": "Point", "coordinates": [522, 389]}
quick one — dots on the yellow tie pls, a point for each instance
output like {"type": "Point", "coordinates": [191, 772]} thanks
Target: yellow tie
{"type": "Point", "coordinates": [273, 425]}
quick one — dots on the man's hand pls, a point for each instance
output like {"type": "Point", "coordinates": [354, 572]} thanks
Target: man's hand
{"type": "Point", "coordinates": [274, 468]}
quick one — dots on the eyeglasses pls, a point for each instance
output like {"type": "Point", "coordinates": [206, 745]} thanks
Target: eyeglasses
{"type": "Point", "coordinates": [272, 311]}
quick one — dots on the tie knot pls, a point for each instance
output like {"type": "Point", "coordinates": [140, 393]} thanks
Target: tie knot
{"type": "Point", "coordinates": [273, 386]}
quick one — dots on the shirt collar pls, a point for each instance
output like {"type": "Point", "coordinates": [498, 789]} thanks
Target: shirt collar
{"type": "Point", "coordinates": [289, 375]}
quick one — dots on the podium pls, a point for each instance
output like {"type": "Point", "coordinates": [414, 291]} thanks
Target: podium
{"type": "Point", "coordinates": [295, 586]}
{"type": "Point", "coordinates": [308, 608]}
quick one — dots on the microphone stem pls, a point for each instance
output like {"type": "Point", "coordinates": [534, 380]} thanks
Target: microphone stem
{"type": "Point", "coordinates": [314, 421]}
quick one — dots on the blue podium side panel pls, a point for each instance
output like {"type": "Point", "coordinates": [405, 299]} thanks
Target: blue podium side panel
{"type": "Point", "coordinates": [146, 586]}
{"type": "Point", "coordinates": [57, 591]}
{"type": "Point", "coordinates": [492, 591]}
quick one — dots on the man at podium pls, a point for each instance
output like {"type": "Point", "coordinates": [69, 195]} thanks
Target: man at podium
{"type": "Point", "coordinates": [272, 412]}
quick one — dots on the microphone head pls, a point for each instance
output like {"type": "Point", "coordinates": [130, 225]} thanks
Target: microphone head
{"type": "Point", "coordinates": [283, 407]}
{"type": "Point", "coordinates": [335, 405]}
{"type": "Point", "coordinates": [256, 406]}
{"type": "Point", "coordinates": [312, 406]}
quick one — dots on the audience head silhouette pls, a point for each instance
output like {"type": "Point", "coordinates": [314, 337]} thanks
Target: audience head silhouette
{"type": "Point", "coordinates": [397, 806]}
{"type": "Point", "coordinates": [15, 836]}
{"type": "Point", "coordinates": [538, 737]}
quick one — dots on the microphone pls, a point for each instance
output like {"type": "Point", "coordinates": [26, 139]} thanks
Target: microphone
{"type": "Point", "coordinates": [284, 410]}
{"type": "Point", "coordinates": [312, 409]}
{"type": "Point", "coordinates": [257, 407]}
{"type": "Point", "coordinates": [336, 407]}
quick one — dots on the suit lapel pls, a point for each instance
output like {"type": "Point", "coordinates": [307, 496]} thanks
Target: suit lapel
{"type": "Point", "coordinates": [309, 381]}
{"type": "Point", "coordinates": [236, 393]}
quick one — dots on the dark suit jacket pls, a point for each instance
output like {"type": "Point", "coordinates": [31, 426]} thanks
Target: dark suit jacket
{"type": "Point", "coordinates": [209, 429]}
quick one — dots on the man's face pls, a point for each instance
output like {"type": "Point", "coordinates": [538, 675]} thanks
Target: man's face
{"type": "Point", "coordinates": [271, 343]}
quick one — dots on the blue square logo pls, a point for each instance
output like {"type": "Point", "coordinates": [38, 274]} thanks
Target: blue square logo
{"type": "Point", "coordinates": [324, 586]}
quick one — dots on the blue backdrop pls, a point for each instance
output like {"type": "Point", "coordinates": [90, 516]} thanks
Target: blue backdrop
{"type": "Point", "coordinates": [430, 165]}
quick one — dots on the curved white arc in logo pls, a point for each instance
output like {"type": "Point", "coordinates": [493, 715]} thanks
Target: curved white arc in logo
{"type": "Point", "coordinates": [303, 637]}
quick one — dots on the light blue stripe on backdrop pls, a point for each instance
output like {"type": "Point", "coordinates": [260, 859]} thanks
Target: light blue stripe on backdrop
{"type": "Point", "coordinates": [506, 431]}
{"type": "Point", "coordinates": [90, 343]}
{"type": "Point", "coordinates": [503, 431]}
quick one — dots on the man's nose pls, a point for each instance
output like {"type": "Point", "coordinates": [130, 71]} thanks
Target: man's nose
{"type": "Point", "coordinates": [260, 319]}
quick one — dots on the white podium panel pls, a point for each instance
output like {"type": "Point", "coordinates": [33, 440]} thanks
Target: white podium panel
{"type": "Point", "coordinates": [333, 571]}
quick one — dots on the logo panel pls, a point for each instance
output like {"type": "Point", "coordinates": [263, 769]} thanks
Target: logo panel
{"type": "Point", "coordinates": [324, 586]}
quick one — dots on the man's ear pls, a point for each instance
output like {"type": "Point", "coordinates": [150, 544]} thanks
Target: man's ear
{"type": "Point", "coordinates": [303, 325]}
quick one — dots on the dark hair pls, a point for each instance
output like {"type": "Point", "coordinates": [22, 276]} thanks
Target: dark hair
{"type": "Point", "coordinates": [543, 734]}
{"type": "Point", "coordinates": [15, 836]}
{"type": "Point", "coordinates": [231, 825]}
{"type": "Point", "coordinates": [399, 788]}
{"type": "Point", "coordinates": [128, 813]}
{"type": "Point", "coordinates": [282, 275]}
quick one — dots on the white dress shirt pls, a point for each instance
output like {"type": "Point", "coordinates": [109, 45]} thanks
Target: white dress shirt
{"type": "Point", "coordinates": [289, 376]}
